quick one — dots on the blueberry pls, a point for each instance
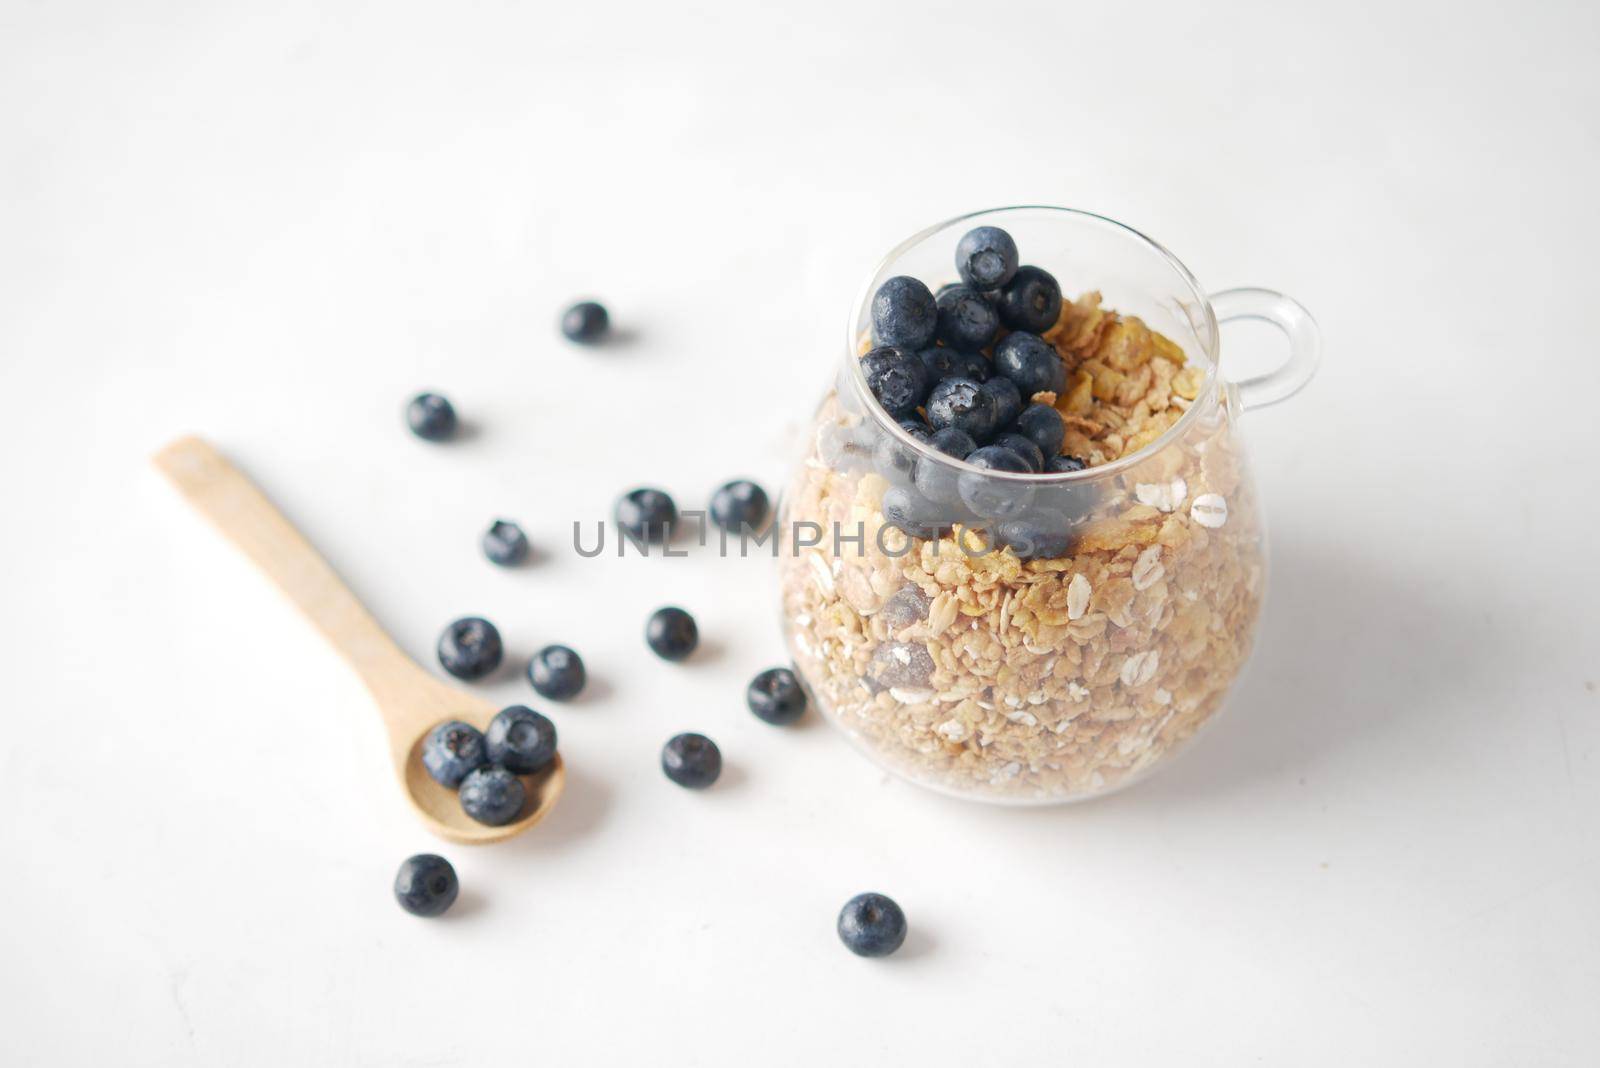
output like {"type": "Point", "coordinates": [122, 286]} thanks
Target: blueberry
{"type": "Point", "coordinates": [739, 504]}
{"type": "Point", "coordinates": [520, 740]}
{"type": "Point", "coordinates": [908, 511]}
{"type": "Point", "coordinates": [505, 544]}
{"type": "Point", "coordinates": [894, 459]}
{"type": "Point", "coordinates": [671, 633]}
{"type": "Point", "coordinates": [991, 497]}
{"type": "Point", "coordinates": [431, 417]}
{"type": "Point", "coordinates": [1042, 424]}
{"type": "Point", "coordinates": [586, 322]}
{"type": "Point", "coordinates": [646, 514]}
{"type": "Point", "coordinates": [1030, 301]}
{"type": "Point", "coordinates": [1007, 399]}
{"type": "Point", "coordinates": [451, 750]}
{"type": "Point", "coordinates": [896, 378]}
{"type": "Point", "coordinates": [1063, 465]}
{"type": "Point", "coordinates": [940, 362]}
{"type": "Point", "coordinates": [973, 365]}
{"type": "Point", "coordinates": [937, 481]}
{"type": "Point", "coordinates": [871, 925]}
{"type": "Point", "coordinates": [775, 696]}
{"type": "Point", "coordinates": [557, 672]}
{"type": "Point", "coordinates": [905, 664]}
{"type": "Point", "coordinates": [986, 257]}
{"type": "Point", "coordinates": [1024, 447]}
{"type": "Point", "coordinates": [493, 796]}
{"type": "Point", "coordinates": [904, 313]}
{"type": "Point", "coordinates": [966, 321]}
{"type": "Point", "coordinates": [1039, 534]}
{"type": "Point", "coordinates": [1031, 362]}
{"type": "Point", "coordinates": [905, 606]}
{"type": "Point", "coordinates": [691, 760]}
{"type": "Point", "coordinates": [470, 648]}
{"type": "Point", "coordinates": [1075, 501]}
{"type": "Point", "coordinates": [952, 441]}
{"type": "Point", "coordinates": [425, 885]}
{"type": "Point", "coordinates": [962, 404]}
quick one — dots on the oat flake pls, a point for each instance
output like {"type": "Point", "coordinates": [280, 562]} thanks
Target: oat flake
{"type": "Point", "coordinates": [1209, 510]}
{"type": "Point", "coordinates": [1140, 668]}
{"type": "Point", "coordinates": [1078, 591]}
{"type": "Point", "coordinates": [1147, 570]}
{"type": "Point", "coordinates": [1162, 496]}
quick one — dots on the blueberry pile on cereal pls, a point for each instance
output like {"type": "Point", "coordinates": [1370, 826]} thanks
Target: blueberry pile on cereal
{"type": "Point", "coordinates": [997, 370]}
{"type": "Point", "coordinates": [971, 358]}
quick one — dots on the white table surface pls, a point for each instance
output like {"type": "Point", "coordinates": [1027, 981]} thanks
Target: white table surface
{"type": "Point", "coordinates": [270, 224]}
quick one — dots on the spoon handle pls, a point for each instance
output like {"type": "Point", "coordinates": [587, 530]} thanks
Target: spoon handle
{"type": "Point", "coordinates": [233, 504]}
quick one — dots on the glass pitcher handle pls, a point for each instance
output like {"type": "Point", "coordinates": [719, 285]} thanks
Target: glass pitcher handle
{"type": "Point", "coordinates": [1305, 342]}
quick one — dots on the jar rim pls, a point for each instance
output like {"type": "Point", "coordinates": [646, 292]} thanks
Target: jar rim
{"type": "Point", "coordinates": [1207, 337]}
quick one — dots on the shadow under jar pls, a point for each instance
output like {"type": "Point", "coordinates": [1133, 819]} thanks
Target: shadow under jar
{"type": "Point", "coordinates": [1038, 638]}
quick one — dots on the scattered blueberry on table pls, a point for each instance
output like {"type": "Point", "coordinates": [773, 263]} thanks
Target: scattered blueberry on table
{"type": "Point", "coordinates": [426, 885]}
{"type": "Point", "coordinates": [776, 697]}
{"type": "Point", "coordinates": [646, 515]}
{"type": "Point", "coordinates": [872, 925]}
{"type": "Point", "coordinates": [451, 750]}
{"type": "Point", "coordinates": [431, 417]}
{"type": "Point", "coordinates": [557, 672]}
{"type": "Point", "coordinates": [520, 740]}
{"type": "Point", "coordinates": [671, 633]}
{"type": "Point", "coordinates": [505, 544]}
{"type": "Point", "coordinates": [986, 258]}
{"type": "Point", "coordinates": [585, 322]}
{"type": "Point", "coordinates": [904, 313]}
{"type": "Point", "coordinates": [470, 648]}
{"type": "Point", "coordinates": [739, 504]}
{"type": "Point", "coordinates": [492, 796]}
{"type": "Point", "coordinates": [691, 760]}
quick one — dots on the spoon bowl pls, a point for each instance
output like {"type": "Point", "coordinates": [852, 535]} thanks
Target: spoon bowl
{"type": "Point", "coordinates": [439, 806]}
{"type": "Point", "coordinates": [411, 701]}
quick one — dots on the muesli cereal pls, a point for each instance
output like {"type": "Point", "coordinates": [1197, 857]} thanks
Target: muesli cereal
{"type": "Point", "coordinates": [982, 672]}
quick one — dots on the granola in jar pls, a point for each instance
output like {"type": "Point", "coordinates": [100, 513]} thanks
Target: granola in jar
{"type": "Point", "coordinates": [971, 667]}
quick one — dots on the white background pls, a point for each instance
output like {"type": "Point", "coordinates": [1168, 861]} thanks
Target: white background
{"type": "Point", "coordinates": [271, 225]}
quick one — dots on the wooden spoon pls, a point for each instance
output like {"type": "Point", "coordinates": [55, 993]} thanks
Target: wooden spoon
{"type": "Point", "coordinates": [409, 699]}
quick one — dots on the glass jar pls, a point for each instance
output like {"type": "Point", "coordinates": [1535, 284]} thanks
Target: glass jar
{"type": "Point", "coordinates": [1038, 638]}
